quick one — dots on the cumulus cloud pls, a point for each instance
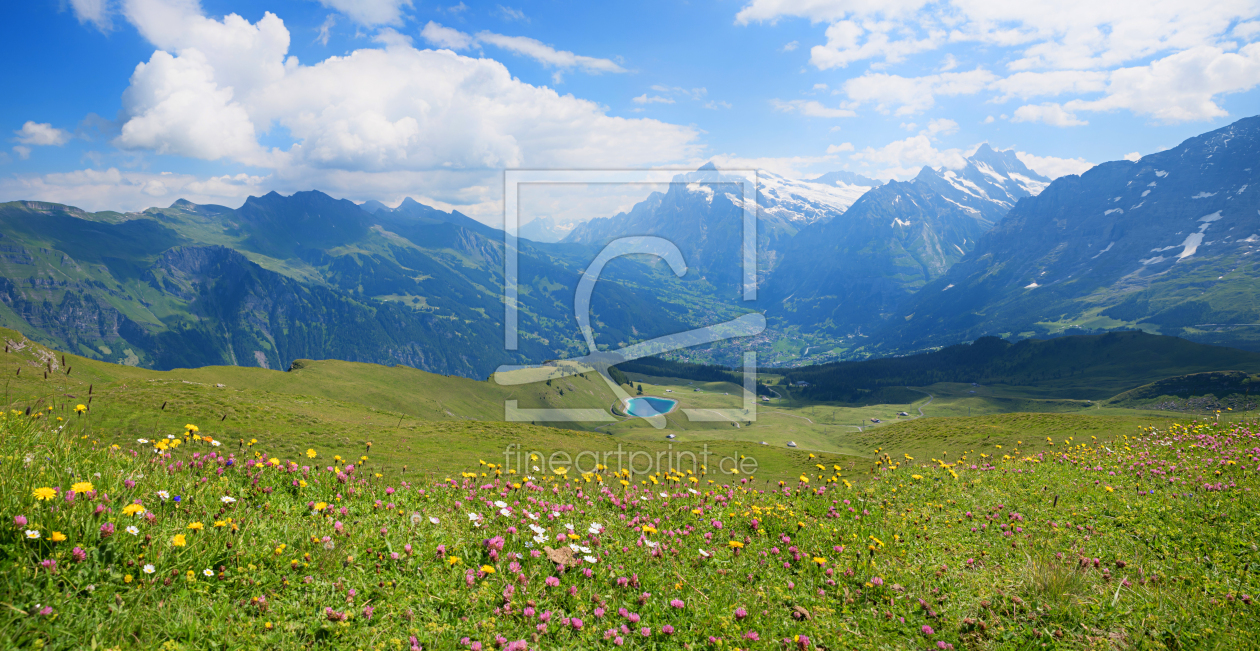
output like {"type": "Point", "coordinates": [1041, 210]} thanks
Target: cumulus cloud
{"type": "Point", "coordinates": [811, 108]}
{"type": "Point", "coordinates": [654, 99]}
{"type": "Point", "coordinates": [902, 159]}
{"type": "Point", "coordinates": [910, 95]}
{"type": "Point", "coordinates": [1051, 114]}
{"type": "Point", "coordinates": [1052, 167]}
{"type": "Point", "coordinates": [379, 122]}
{"type": "Point", "coordinates": [446, 37]}
{"type": "Point", "coordinates": [41, 133]}
{"type": "Point", "coordinates": [95, 12]}
{"type": "Point", "coordinates": [1072, 47]}
{"type": "Point", "coordinates": [835, 149]}
{"type": "Point", "coordinates": [370, 13]}
{"type": "Point", "coordinates": [112, 189]}
{"type": "Point", "coordinates": [1133, 156]}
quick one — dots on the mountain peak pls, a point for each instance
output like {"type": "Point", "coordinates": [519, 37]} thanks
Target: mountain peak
{"type": "Point", "coordinates": [709, 166]}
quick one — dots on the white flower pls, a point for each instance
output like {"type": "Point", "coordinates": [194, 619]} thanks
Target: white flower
{"type": "Point", "coordinates": [473, 517]}
{"type": "Point", "coordinates": [535, 470]}
{"type": "Point", "coordinates": [582, 549]}
{"type": "Point", "coordinates": [208, 572]}
{"type": "Point", "coordinates": [32, 534]}
{"type": "Point", "coordinates": [537, 529]}
{"type": "Point", "coordinates": [590, 559]}
{"type": "Point", "coordinates": [532, 516]}
{"type": "Point", "coordinates": [227, 499]}
{"type": "Point", "coordinates": [529, 544]}
{"type": "Point", "coordinates": [133, 530]}
{"type": "Point", "coordinates": [433, 520]}
{"type": "Point", "coordinates": [170, 436]}
{"type": "Point", "coordinates": [215, 443]}
{"type": "Point", "coordinates": [164, 495]}
{"type": "Point", "coordinates": [694, 491]}
{"type": "Point", "coordinates": [505, 513]}
{"type": "Point", "coordinates": [665, 495]}
{"type": "Point", "coordinates": [705, 554]}
{"type": "Point", "coordinates": [149, 569]}
{"type": "Point", "coordinates": [142, 441]}
{"type": "Point", "coordinates": [568, 526]}
{"type": "Point", "coordinates": [595, 528]}
{"type": "Point", "coordinates": [555, 514]}
{"type": "Point", "coordinates": [540, 539]}
{"type": "Point", "coordinates": [500, 503]}
{"type": "Point", "coordinates": [650, 544]}
{"type": "Point", "coordinates": [575, 548]}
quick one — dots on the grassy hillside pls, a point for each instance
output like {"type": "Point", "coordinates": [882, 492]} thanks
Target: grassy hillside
{"type": "Point", "coordinates": [1136, 541]}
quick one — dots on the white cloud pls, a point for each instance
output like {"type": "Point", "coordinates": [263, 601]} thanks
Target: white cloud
{"type": "Point", "coordinates": [547, 55]}
{"type": "Point", "coordinates": [1070, 47]}
{"type": "Point", "coordinates": [41, 133]}
{"type": "Point", "coordinates": [1040, 84]}
{"type": "Point", "coordinates": [1052, 167]}
{"type": "Point", "coordinates": [451, 39]}
{"type": "Point", "coordinates": [655, 99]}
{"type": "Point", "coordinates": [791, 46]}
{"type": "Point", "coordinates": [788, 166]}
{"type": "Point", "coordinates": [910, 95]}
{"type": "Point", "coordinates": [941, 126]}
{"type": "Point", "coordinates": [111, 189]}
{"type": "Point", "coordinates": [22, 151]}
{"type": "Point", "coordinates": [1181, 86]}
{"type": "Point", "coordinates": [373, 118]}
{"type": "Point", "coordinates": [811, 108]}
{"type": "Point", "coordinates": [903, 159]}
{"type": "Point", "coordinates": [512, 14]}
{"type": "Point", "coordinates": [370, 13]}
{"type": "Point", "coordinates": [848, 42]}
{"type": "Point", "coordinates": [717, 104]}
{"type": "Point", "coordinates": [91, 11]}
{"type": "Point", "coordinates": [835, 149]}
{"type": "Point", "coordinates": [325, 30]}
{"type": "Point", "coordinates": [988, 120]}
{"type": "Point", "coordinates": [1133, 156]}
{"type": "Point", "coordinates": [1051, 114]}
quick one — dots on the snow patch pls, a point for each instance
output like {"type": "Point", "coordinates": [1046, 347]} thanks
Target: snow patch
{"type": "Point", "coordinates": [1216, 216]}
{"type": "Point", "coordinates": [1139, 205]}
{"type": "Point", "coordinates": [1030, 185]}
{"type": "Point", "coordinates": [1119, 210]}
{"type": "Point", "coordinates": [1155, 260]}
{"type": "Point", "coordinates": [1161, 173]}
{"type": "Point", "coordinates": [1253, 238]}
{"type": "Point", "coordinates": [1191, 245]}
{"type": "Point", "coordinates": [1105, 250]}
{"type": "Point", "coordinates": [701, 188]}
{"type": "Point", "coordinates": [1203, 195]}
{"type": "Point", "coordinates": [1242, 189]}
{"type": "Point", "coordinates": [1151, 184]}
{"type": "Point", "coordinates": [952, 284]}
{"type": "Point", "coordinates": [1145, 192]}
{"type": "Point", "coordinates": [897, 222]}
{"type": "Point", "coordinates": [1032, 285]}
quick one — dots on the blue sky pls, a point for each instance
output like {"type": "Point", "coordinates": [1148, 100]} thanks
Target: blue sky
{"type": "Point", "coordinates": [123, 104]}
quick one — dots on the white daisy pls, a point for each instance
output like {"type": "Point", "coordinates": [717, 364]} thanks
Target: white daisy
{"type": "Point", "coordinates": [149, 569]}
{"type": "Point", "coordinates": [208, 572]}
{"type": "Point", "coordinates": [500, 503]}
{"type": "Point", "coordinates": [142, 441]}
{"type": "Point", "coordinates": [595, 528]}
{"type": "Point", "coordinates": [227, 499]}
{"type": "Point", "coordinates": [133, 530]}
{"type": "Point", "coordinates": [164, 495]}
{"type": "Point", "coordinates": [32, 534]}
{"type": "Point", "coordinates": [590, 559]}
{"type": "Point", "coordinates": [433, 520]}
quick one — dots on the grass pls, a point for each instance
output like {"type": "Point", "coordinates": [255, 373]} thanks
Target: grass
{"type": "Point", "coordinates": [1137, 539]}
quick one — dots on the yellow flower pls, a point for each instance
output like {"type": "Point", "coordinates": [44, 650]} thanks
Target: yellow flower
{"type": "Point", "coordinates": [916, 476]}
{"type": "Point", "coordinates": [78, 409]}
{"type": "Point", "coordinates": [487, 569]}
{"type": "Point", "coordinates": [127, 579]}
{"type": "Point", "coordinates": [57, 536]}
{"type": "Point", "coordinates": [82, 487]}
{"type": "Point", "coordinates": [320, 506]}
{"type": "Point", "coordinates": [133, 509]}
{"type": "Point", "coordinates": [820, 560]}
{"type": "Point", "coordinates": [220, 523]}
{"type": "Point", "coordinates": [452, 560]}
{"type": "Point", "coordinates": [648, 529]}
{"type": "Point", "coordinates": [44, 493]}
{"type": "Point", "coordinates": [196, 526]}
{"type": "Point", "coordinates": [192, 429]}
{"type": "Point", "coordinates": [735, 544]}
{"type": "Point", "coordinates": [310, 452]}
{"type": "Point", "coordinates": [179, 540]}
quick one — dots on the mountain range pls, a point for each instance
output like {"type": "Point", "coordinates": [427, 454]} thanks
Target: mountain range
{"type": "Point", "coordinates": [991, 248]}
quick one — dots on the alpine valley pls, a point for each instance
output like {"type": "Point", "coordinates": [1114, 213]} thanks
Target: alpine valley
{"type": "Point", "coordinates": [851, 266]}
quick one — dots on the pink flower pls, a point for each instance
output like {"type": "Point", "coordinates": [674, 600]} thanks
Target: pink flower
{"type": "Point", "coordinates": [678, 603]}
{"type": "Point", "coordinates": [576, 623]}
{"type": "Point", "coordinates": [740, 613]}
{"type": "Point", "coordinates": [552, 582]}
{"type": "Point", "coordinates": [667, 629]}
{"type": "Point", "coordinates": [107, 529]}
{"type": "Point", "coordinates": [78, 554]}
{"type": "Point", "coordinates": [876, 581]}
{"type": "Point", "coordinates": [927, 630]}
{"type": "Point", "coordinates": [19, 520]}
{"type": "Point", "coordinates": [645, 631]}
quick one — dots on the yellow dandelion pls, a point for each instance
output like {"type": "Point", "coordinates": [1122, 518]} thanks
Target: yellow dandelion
{"type": "Point", "coordinates": [44, 493]}
{"type": "Point", "coordinates": [310, 453]}
{"type": "Point", "coordinates": [82, 487]}
{"type": "Point", "coordinates": [57, 536]}
{"type": "Point", "coordinates": [196, 526]}
{"type": "Point", "coordinates": [179, 540]}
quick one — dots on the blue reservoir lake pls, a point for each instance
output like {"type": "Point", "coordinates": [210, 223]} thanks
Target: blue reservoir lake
{"type": "Point", "coordinates": [647, 407]}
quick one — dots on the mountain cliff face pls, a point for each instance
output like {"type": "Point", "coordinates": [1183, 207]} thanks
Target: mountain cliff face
{"type": "Point", "coordinates": [854, 271]}
{"type": "Point", "coordinates": [1166, 244]}
{"type": "Point", "coordinates": [705, 220]}
{"type": "Point", "coordinates": [305, 276]}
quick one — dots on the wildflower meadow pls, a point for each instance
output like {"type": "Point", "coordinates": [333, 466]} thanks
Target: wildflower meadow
{"type": "Point", "coordinates": [185, 542]}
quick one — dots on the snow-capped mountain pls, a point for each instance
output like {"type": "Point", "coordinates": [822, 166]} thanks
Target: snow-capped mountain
{"type": "Point", "coordinates": [705, 219]}
{"type": "Point", "coordinates": [853, 271]}
{"type": "Point", "coordinates": [1166, 243]}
